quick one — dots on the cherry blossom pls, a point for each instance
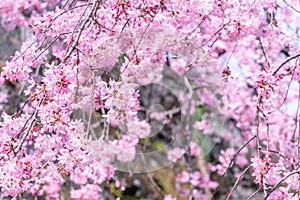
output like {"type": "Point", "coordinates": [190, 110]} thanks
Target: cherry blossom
{"type": "Point", "coordinates": [72, 100]}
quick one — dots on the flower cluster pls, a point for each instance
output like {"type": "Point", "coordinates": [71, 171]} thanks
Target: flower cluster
{"type": "Point", "coordinates": [73, 94]}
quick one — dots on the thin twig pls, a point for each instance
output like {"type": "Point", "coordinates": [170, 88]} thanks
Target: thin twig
{"type": "Point", "coordinates": [154, 184]}
{"type": "Point", "coordinates": [236, 182]}
{"type": "Point", "coordinates": [279, 182]}
{"type": "Point", "coordinates": [29, 128]}
{"type": "Point", "coordinates": [231, 54]}
{"type": "Point", "coordinates": [299, 145]}
{"type": "Point", "coordinates": [47, 28]}
{"type": "Point", "coordinates": [278, 153]}
{"type": "Point", "coordinates": [257, 123]}
{"type": "Point", "coordinates": [286, 61]}
{"type": "Point", "coordinates": [49, 45]}
{"type": "Point", "coordinates": [268, 128]}
{"type": "Point", "coordinates": [148, 25]}
{"type": "Point", "coordinates": [254, 193]}
{"type": "Point", "coordinates": [297, 113]}
{"type": "Point", "coordinates": [92, 104]}
{"type": "Point", "coordinates": [237, 153]}
{"type": "Point", "coordinates": [203, 169]}
{"type": "Point", "coordinates": [292, 7]}
{"type": "Point", "coordinates": [218, 31]}
{"type": "Point", "coordinates": [286, 94]}
{"type": "Point", "coordinates": [68, 54]}
{"type": "Point", "coordinates": [263, 51]}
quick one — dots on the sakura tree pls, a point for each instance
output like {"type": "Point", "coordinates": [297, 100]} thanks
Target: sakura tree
{"type": "Point", "coordinates": [168, 99]}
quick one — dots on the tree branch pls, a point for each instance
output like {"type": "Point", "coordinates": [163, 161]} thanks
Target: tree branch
{"type": "Point", "coordinates": [285, 62]}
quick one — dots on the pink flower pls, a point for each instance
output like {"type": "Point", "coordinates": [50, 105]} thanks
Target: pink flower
{"type": "Point", "coordinates": [183, 177]}
{"type": "Point", "coordinates": [224, 160]}
{"type": "Point", "coordinates": [126, 148]}
{"type": "Point", "coordinates": [261, 168]}
{"type": "Point", "coordinates": [194, 149]}
{"type": "Point", "coordinates": [175, 154]}
{"type": "Point", "coordinates": [199, 195]}
{"type": "Point", "coordinates": [138, 128]}
{"type": "Point", "coordinates": [89, 191]}
{"type": "Point", "coordinates": [169, 197]}
{"type": "Point", "coordinates": [179, 66]}
{"type": "Point", "coordinates": [204, 126]}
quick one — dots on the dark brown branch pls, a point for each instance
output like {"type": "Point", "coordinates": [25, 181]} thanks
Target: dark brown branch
{"type": "Point", "coordinates": [285, 62]}
{"type": "Point", "coordinates": [292, 7]}
{"type": "Point", "coordinates": [32, 123]}
{"type": "Point", "coordinates": [279, 182]}
{"type": "Point", "coordinates": [68, 54]}
{"type": "Point", "coordinates": [279, 154]}
{"type": "Point", "coordinates": [263, 51]}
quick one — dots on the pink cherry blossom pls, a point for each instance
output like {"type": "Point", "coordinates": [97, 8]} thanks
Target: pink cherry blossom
{"type": "Point", "coordinates": [194, 149]}
{"type": "Point", "coordinates": [175, 154]}
{"type": "Point", "coordinates": [72, 104]}
{"type": "Point", "coordinates": [169, 197]}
